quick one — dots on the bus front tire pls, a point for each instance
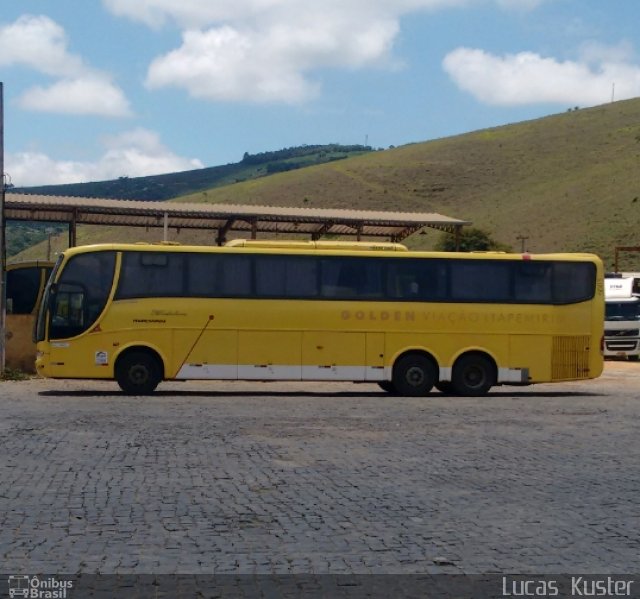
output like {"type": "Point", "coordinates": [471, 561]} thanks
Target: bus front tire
{"type": "Point", "coordinates": [414, 375]}
{"type": "Point", "coordinates": [387, 386]}
{"type": "Point", "coordinates": [138, 373]}
{"type": "Point", "coordinates": [473, 375]}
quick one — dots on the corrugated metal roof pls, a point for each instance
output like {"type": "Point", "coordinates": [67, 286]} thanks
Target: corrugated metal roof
{"type": "Point", "coordinates": [315, 222]}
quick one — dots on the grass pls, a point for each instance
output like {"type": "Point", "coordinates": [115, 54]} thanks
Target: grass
{"type": "Point", "coordinates": [11, 374]}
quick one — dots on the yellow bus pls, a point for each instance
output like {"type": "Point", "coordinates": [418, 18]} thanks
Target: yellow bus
{"type": "Point", "coordinates": [322, 311]}
{"type": "Point", "coordinates": [25, 286]}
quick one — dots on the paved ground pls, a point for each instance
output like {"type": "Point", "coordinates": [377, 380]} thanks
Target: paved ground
{"type": "Point", "coordinates": [331, 478]}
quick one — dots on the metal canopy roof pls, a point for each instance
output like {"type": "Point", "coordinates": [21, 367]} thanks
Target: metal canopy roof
{"type": "Point", "coordinates": [223, 218]}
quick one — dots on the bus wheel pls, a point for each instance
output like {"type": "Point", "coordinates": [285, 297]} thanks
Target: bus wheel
{"type": "Point", "coordinates": [414, 375]}
{"type": "Point", "coordinates": [473, 375]}
{"type": "Point", "coordinates": [387, 386]}
{"type": "Point", "coordinates": [138, 373]}
{"type": "Point", "coordinates": [445, 387]}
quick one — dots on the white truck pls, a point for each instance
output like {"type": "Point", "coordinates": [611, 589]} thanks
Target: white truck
{"type": "Point", "coordinates": [622, 317]}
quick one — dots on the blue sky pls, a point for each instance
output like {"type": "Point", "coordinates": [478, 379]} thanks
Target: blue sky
{"type": "Point", "coordinates": [100, 89]}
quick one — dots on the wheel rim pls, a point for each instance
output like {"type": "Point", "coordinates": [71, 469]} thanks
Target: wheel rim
{"type": "Point", "coordinates": [415, 376]}
{"type": "Point", "coordinates": [138, 375]}
{"type": "Point", "coordinates": [474, 377]}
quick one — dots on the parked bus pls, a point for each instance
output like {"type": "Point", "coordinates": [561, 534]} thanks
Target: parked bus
{"type": "Point", "coordinates": [25, 286]}
{"type": "Point", "coordinates": [321, 311]}
{"type": "Point", "coordinates": [622, 317]}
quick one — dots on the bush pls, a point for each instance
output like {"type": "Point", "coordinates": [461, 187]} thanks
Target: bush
{"type": "Point", "coordinates": [472, 239]}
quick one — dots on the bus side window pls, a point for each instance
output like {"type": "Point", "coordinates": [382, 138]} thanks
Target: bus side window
{"type": "Point", "coordinates": [149, 274]}
{"type": "Point", "coordinates": [480, 281]}
{"type": "Point", "coordinates": [417, 280]}
{"type": "Point", "coordinates": [286, 276]}
{"type": "Point", "coordinates": [532, 282]}
{"type": "Point", "coordinates": [334, 282]}
{"type": "Point", "coordinates": [235, 276]}
{"type": "Point", "coordinates": [351, 278]}
{"type": "Point", "coordinates": [203, 275]}
{"type": "Point", "coordinates": [573, 282]}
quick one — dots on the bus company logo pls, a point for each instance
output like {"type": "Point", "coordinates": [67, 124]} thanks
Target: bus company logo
{"type": "Point", "coordinates": [39, 588]}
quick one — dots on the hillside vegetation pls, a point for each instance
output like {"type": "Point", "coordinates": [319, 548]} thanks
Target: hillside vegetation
{"type": "Point", "coordinates": [171, 185]}
{"type": "Point", "coordinates": [567, 182]}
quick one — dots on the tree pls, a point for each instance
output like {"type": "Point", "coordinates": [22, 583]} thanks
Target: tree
{"type": "Point", "coordinates": [472, 239]}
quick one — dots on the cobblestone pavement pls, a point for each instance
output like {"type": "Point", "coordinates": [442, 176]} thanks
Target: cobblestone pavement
{"type": "Point", "coordinates": [322, 478]}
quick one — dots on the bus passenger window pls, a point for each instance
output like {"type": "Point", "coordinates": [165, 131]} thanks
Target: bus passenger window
{"type": "Point", "coordinates": [416, 280]}
{"type": "Point", "coordinates": [235, 276]}
{"type": "Point", "coordinates": [286, 276]}
{"type": "Point", "coordinates": [533, 282]}
{"type": "Point", "coordinates": [480, 281]}
{"type": "Point", "coordinates": [573, 282]}
{"type": "Point", "coordinates": [151, 274]}
{"type": "Point", "coordinates": [351, 278]}
{"type": "Point", "coordinates": [202, 275]}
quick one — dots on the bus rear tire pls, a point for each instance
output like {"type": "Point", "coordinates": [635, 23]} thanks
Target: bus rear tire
{"type": "Point", "coordinates": [473, 375]}
{"type": "Point", "coordinates": [138, 373]}
{"type": "Point", "coordinates": [414, 375]}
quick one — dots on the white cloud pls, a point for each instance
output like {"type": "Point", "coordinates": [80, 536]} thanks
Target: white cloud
{"type": "Point", "coordinates": [91, 95]}
{"type": "Point", "coordinates": [528, 78]}
{"type": "Point", "coordinates": [39, 43]}
{"type": "Point", "coordinates": [265, 66]}
{"type": "Point", "coordinates": [267, 50]}
{"type": "Point", "coordinates": [218, 64]}
{"type": "Point", "coordinates": [190, 14]}
{"type": "Point", "coordinates": [135, 153]}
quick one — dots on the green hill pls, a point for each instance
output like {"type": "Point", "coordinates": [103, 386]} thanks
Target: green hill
{"type": "Point", "coordinates": [567, 182]}
{"type": "Point", "coordinates": [171, 185]}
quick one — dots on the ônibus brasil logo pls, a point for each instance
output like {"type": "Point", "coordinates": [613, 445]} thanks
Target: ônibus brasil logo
{"type": "Point", "coordinates": [36, 587]}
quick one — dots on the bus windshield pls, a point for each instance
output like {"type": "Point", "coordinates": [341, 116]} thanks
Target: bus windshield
{"type": "Point", "coordinates": [77, 299]}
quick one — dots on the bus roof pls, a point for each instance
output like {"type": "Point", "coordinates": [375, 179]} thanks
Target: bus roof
{"type": "Point", "coordinates": [329, 248]}
{"type": "Point", "coordinates": [319, 245]}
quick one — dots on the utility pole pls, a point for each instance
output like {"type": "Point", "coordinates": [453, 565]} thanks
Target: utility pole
{"type": "Point", "coordinates": [522, 239]}
{"type": "Point", "coordinates": [3, 248]}
{"type": "Point", "coordinates": [49, 231]}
